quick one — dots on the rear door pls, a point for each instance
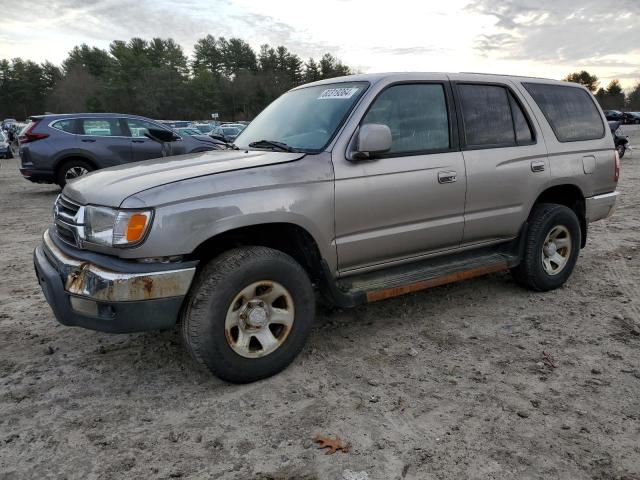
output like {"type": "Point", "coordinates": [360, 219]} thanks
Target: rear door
{"type": "Point", "coordinates": [505, 157]}
{"type": "Point", "coordinates": [142, 147]}
{"type": "Point", "coordinates": [104, 140]}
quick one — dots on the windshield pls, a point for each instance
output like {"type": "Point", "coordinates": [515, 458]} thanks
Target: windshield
{"type": "Point", "coordinates": [305, 119]}
{"type": "Point", "coordinates": [230, 131]}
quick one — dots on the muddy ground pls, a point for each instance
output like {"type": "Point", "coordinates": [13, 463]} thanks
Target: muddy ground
{"type": "Point", "coordinates": [444, 384]}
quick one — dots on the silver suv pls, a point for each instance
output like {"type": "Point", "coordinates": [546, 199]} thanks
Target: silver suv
{"type": "Point", "coordinates": [358, 189]}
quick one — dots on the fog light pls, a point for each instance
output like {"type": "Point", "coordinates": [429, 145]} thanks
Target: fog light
{"type": "Point", "coordinates": [84, 306]}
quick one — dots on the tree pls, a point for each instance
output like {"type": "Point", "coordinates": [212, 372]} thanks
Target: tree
{"type": "Point", "coordinates": [311, 71]}
{"type": "Point", "coordinates": [584, 78]}
{"type": "Point", "coordinates": [156, 79]}
{"type": "Point", "coordinates": [633, 99]}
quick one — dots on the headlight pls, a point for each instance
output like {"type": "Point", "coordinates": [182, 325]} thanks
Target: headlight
{"type": "Point", "coordinates": [115, 228]}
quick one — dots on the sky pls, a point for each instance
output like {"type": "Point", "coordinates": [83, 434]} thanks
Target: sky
{"type": "Point", "coordinates": [544, 38]}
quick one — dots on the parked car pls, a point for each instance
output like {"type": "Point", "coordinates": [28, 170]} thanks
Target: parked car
{"type": "Point", "coordinates": [360, 188]}
{"type": "Point", "coordinates": [58, 148]}
{"type": "Point", "coordinates": [175, 123]}
{"type": "Point", "coordinates": [190, 131]}
{"type": "Point", "coordinates": [6, 122]}
{"type": "Point", "coordinates": [620, 140]}
{"type": "Point", "coordinates": [5, 146]}
{"type": "Point", "coordinates": [229, 133]}
{"type": "Point", "coordinates": [631, 118]}
{"type": "Point", "coordinates": [613, 115]}
{"type": "Point", "coordinates": [203, 128]}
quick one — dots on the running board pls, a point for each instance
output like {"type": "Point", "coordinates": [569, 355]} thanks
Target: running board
{"type": "Point", "coordinates": [416, 276]}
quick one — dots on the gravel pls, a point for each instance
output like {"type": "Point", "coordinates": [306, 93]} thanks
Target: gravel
{"type": "Point", "coordinates": [449, 383]}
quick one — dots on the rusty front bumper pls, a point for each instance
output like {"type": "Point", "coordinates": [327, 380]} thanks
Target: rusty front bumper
{"type": "Point", "coordinates": [127, 298]}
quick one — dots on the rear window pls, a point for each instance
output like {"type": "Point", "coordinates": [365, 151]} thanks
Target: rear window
{"type": "Point", "coordinates": [570, 111]}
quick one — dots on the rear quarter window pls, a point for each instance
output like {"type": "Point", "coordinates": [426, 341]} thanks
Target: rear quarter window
{"type": "Point", "coordinates": [65, 125]}
{"type": "Point", "coordinates": [570, 111]}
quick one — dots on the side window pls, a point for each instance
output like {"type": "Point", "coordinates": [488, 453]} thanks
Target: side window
{"type": "Point", "coordinates": [101, 127]}
{"type": "Point", "coordinates": [487, 115]}
{"type": "Point", "coordinates": [522, 127]}
{"type": "Point", "coordinates": [417, 116]}
{"type": "Point", "coordinates": [570, 111]}
{"type": "Point", "coordinates": [65, 125]}
{"type": "Point", "coordinates": [139, 127]}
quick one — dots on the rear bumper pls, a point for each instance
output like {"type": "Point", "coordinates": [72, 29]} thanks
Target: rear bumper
{"type": "Point", "coordinates": [84, 294]}
{"type": "Point", "coordinates": [37, 176]}
{"type": "Point", "coordinates": [600, 206]}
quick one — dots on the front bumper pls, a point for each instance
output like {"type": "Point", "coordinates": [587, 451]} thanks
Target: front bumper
{"type": "Point", "coordinates": [600, 206]}
{"type": "Point", "coordinates": [132, 298]}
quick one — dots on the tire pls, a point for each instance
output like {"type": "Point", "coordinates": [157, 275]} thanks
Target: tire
{"type": "Point", "coordinates": [220, 289]}
{"type": "Point", "coordinates": [535, 270]}
{"type": "Point", "coordinates": [621, 151]}
{"type": "Point", "coordinates": [9, 154]}
{"type": "Point", "coordinates": [66, 171]}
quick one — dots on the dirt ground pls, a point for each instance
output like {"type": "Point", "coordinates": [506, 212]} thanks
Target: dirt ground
{"type": "Point", "coordinates": [449, 383]}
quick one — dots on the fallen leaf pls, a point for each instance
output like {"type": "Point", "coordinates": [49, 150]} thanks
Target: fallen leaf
{"type": "Point", "coordinates": [332, 445]}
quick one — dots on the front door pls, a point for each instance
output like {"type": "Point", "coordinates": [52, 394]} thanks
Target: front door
{"type": "Point", "coordinates": [142, 147]}
{"type": "Point", "coordinates": [410, 200]}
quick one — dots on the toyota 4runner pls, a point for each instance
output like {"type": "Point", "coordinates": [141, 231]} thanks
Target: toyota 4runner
{"type": "Point", "coordinates": [357, 189]}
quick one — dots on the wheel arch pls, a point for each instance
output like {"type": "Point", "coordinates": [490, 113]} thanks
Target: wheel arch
{"type": "Point", "coordinates": [571, 196]}
{"type": "Point", "coordinates": [286, 237]}
{"type": "Point", "coordinates": [60, 162]}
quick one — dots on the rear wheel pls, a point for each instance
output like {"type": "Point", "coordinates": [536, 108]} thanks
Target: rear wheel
{"type": "Point", "coordinates": [71, 170]}
{"type": "Point", "coordinates": [248, 314]}
{"type": "Point", "coordinates": [551, 248]}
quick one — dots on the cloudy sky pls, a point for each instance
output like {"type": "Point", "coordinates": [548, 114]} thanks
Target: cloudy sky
{"type": "Point", "coordinates": [548, 38]}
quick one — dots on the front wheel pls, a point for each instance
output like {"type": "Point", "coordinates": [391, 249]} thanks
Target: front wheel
{"type": "Point", "coordinates": [248, 314]}
{"type": "Point", "coordinates": [552, 246]}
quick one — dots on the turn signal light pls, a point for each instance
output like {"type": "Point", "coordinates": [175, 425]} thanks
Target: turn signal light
{"type": "Point", "coordinates": [136, 227]}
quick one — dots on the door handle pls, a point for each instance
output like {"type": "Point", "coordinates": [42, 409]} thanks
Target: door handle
{"type": "Point", "coordinates": [137, 141]}
{"type": "Point", "coordinates": [88, 140]}
{"type": "Point", "coordinates": [447, 177]}
{"type": "Point", "coordinates": [538, 166]}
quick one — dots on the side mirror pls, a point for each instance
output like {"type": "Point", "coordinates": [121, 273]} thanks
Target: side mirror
{"type": "Point", "coordinates": [161, 135]}
{"type": "Point", "coordinates": [373, 138]}
{"type": "Point", "coordinates": [217, 136]}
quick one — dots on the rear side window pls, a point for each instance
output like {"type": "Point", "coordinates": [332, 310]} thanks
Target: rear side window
{"type": "Point", "coordinates": [492, 117]}
{"type": "Point", "coordinates": [101, 127]}
{"type": "Point", "coordinates": [570, 111]}
{"type": "Point", "coordinates": [65, 125]}
{"type": "Point", "coordinates": [416, 115]}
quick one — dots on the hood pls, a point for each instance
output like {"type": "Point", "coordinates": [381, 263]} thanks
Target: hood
{"type": "Point", "coordinates": [111, 186]}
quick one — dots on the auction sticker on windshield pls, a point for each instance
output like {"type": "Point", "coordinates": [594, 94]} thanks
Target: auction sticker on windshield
{"type": "Point", "coordinates": [343, 93]}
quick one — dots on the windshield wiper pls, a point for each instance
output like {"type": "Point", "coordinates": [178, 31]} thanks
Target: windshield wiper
{"type": "Point", "coordinates": [272, 143]}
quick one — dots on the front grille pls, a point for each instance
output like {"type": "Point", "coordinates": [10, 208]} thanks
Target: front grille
{"type": "Point", "coordinates": [67, 220]}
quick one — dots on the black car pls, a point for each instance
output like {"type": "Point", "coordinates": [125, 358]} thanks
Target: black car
{"type": "Point", "coordinates": [631, 118]}
{"type": "Point", "coordinates": [621, 141]}
{"type": "Point", "coordinates": [613, 115]}
{"type": "Point", "coordinates": [57, 148]}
